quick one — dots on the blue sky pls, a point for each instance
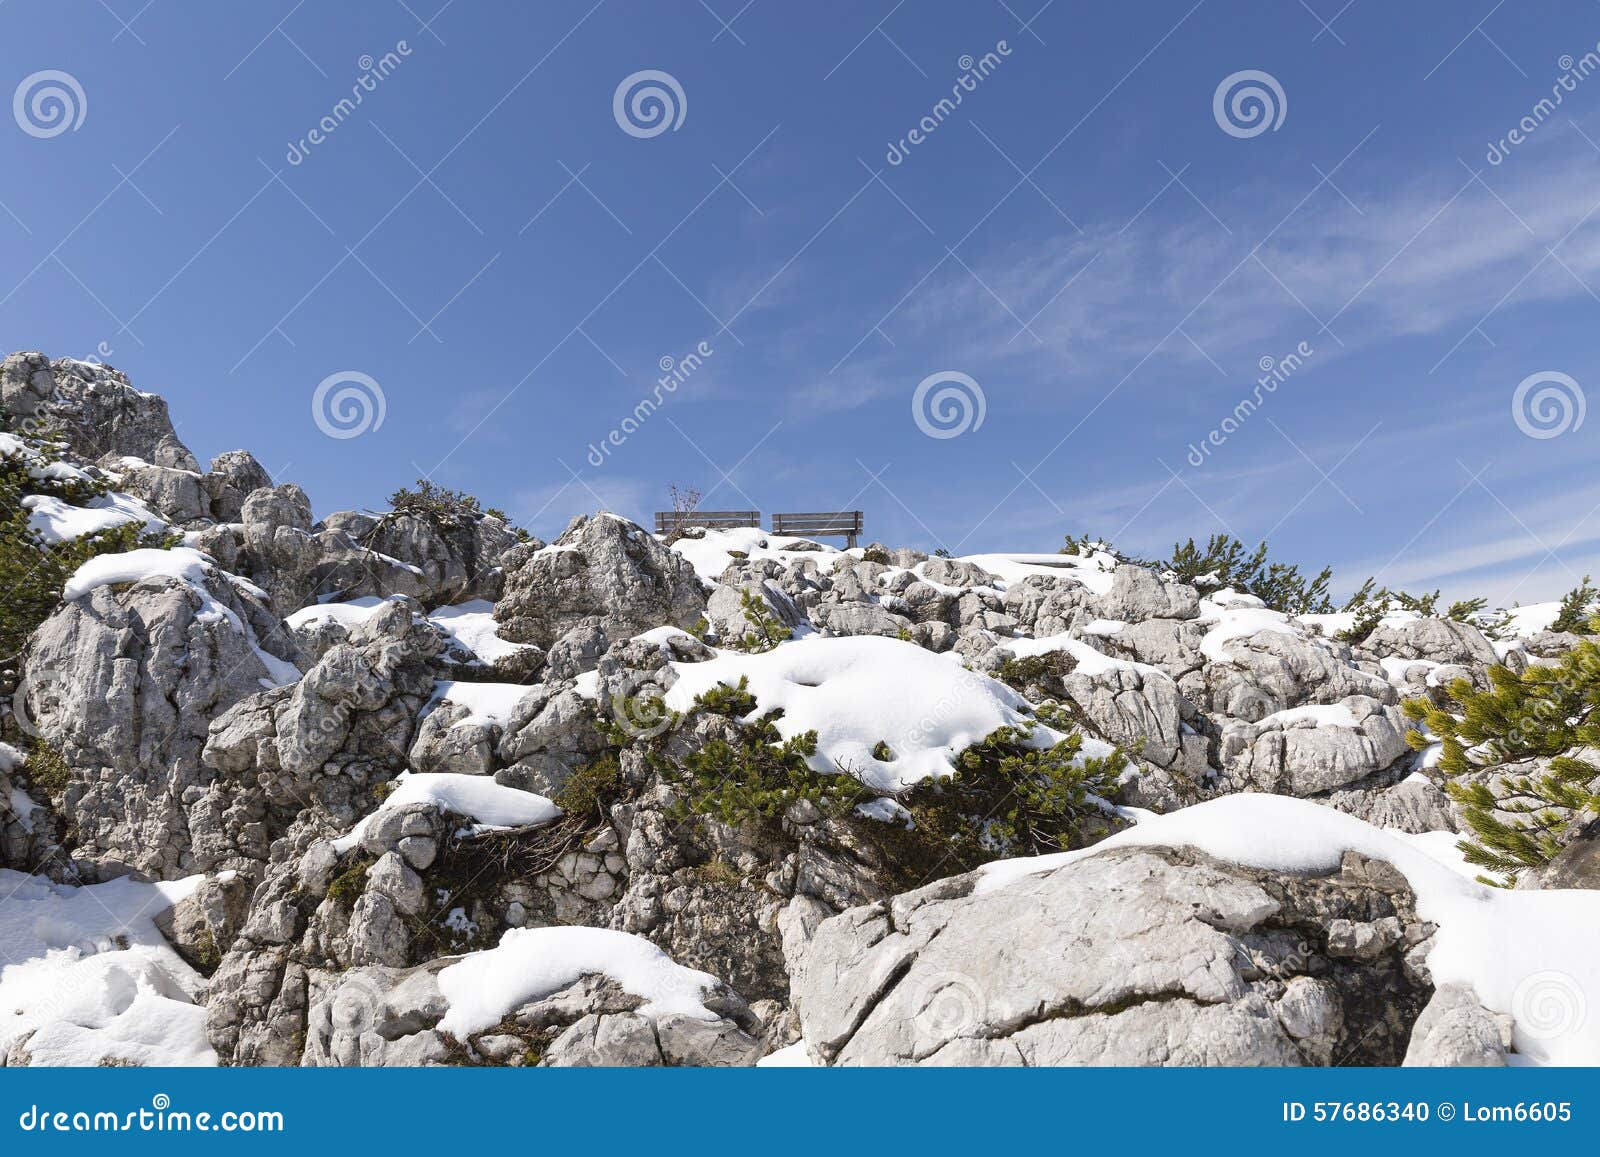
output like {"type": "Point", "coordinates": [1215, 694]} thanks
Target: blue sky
{"type": "Point", "coordinates": [1080, 237]}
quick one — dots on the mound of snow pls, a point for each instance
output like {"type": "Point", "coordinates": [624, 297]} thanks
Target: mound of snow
{"type": "Point", "coordinates": [55, 520]}
{"type": "Point", "coordinates": [87, 973]}
{"type": "Point", "coordinates": [712, 554]}
{"type": "Point", "coordinates": [1534, 956]}
{"type": "Point", "coordinates": [1535, 617]}
{"type": "Point", "coordinates": [1093, 570]}
{"type": "Point", "coordinates": [471, 625]}
{"type": "Point", "coordinates": [349, 614]}
{"type": "Point", "coordinates": [530, 963]}
{"type": "Point", "coordinates": [182, 563]}
{"type": "Point", "coordinates": [489, 805]}
{"type": "Point", "coordinates": [485, 702]}
{"type": "Point", "coordinates": [854, 691]}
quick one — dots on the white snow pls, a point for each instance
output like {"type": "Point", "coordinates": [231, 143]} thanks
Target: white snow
{"type": "Point", "coordinates": [87, 968]}
{"type": "Point", "coordinates": [491, 806]}
{"type": "Point", "coordinates": [712, 554]}
{"type": "Point", "coordinates": [56, 520]}
{"type": "Point", "coordinates": [1533, 618]}
{"type": "Point", "coordinates": [1238, 616]}
{"type": "Point", "coordinates": [485, 702]}
{"type": "Point", "coordinates": [133, 566]}
{"type": "Point", "coordinates": [1090, 661]}
{"type": "Point", "coordinates": [1317, 714]}
{"type": "Point", "coordinates": [790, 1057]}
{"type": "Point", "coordinates": [857, 690]}
{"type": "Point", "coordinates": [1093, 571]}
{"type": "Point", "coordinates": [349, 614]}
{"type": "Point", "coordinates": [1534, 955]}
{"type": "Point", "coordinates": [471, 624]}
{"type": "Point", "coordinates": [530, 963]}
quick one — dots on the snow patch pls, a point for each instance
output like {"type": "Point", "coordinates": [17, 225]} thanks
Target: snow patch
{"type": "Point", "coordinates": [530, 963]}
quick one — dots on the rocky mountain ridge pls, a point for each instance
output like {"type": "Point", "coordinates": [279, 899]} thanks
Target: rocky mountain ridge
{"type": "Point", "coordinates": [413, 788]}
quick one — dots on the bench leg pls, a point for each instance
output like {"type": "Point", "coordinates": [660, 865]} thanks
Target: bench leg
{"type": "Point", "coordinates": [850, 542]}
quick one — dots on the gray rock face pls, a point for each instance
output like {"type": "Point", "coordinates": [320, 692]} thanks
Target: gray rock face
{"type": "Point", "coordinates": [202, 926]}
{"type": "Point", "coordinates": [384, 1016]}
{"type": "Point", "coordinates": [234, 476]}
{"type": "Point", "coordinates": [1300, 757]}
{"type": "Point", "coordinates": [328, 740]}
{"type": "Point", "coordinates": [600, 566]}
{"type": "Point", "coordinates": [123, 684]}
{"type": "Point", "coordinates": [1577, 866]}
{"type": "Point", "coordinates": [1272, 671]}
{"type": "Point", "coordinates": [459, 559]}
{"type": "Point", "coordinates": [1456, 1031]}
{"type": "Point", "coordinates": [178, 496]}
{"type": "Point", "coordinates": [1436, 640]}
{"type": "Point", "coordinates": [1131, 956]}
{"type": "Point", "coordinates": [93, 408]}
{"type": "Point", "coordinates": [1138, 594]}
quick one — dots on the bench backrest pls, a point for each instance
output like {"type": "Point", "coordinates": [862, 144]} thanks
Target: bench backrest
{"type": "Point", "coordinates": [814, 524]}
{"type": "Point", "coordinates": [670, 520]}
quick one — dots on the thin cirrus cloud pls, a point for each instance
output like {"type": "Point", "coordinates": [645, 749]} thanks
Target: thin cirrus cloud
{"type": "Point", "coordinates": [1433, 257]}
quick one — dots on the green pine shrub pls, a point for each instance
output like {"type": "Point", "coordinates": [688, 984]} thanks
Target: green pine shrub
{"type": "Point", "coordinates": [1518, 821]}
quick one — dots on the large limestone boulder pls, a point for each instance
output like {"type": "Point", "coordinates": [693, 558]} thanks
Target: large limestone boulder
{"type": "Point", "coordinates": [123, 682]}
{"type": "Point", "coordinates": [601, 566]}
{"type": "Point", "coordinates": [1137, 956]}
{"type": "Point", "coordinates": [1314, 749]}
{"type": "Point", "coordinates": [384, 1016]}
{"type": "Point", "coordinates": [93, 408]}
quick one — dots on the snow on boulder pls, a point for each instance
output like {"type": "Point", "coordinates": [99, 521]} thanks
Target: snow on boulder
{"type": "Point", "coordinates": [530, 963]}
{"type": "Point", "coordinates": [88, 979]}
{"type": "Point", "coordinates": [856, 691]}
{"type": "Point", "coordinates": [713, 552]}
{"type": "Point", "coordinates": [1531, 955]}
{"type": "Point", "coordinates": [477, 798]}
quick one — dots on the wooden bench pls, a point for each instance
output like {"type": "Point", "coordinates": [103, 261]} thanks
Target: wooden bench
{"type": "Point", "coordinates": [820, 525]}
{"type": "Point", "coordinates": [668, 521]}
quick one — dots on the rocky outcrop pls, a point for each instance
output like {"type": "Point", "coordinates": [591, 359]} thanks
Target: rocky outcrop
{"type": "Point", "coordinates": [381, 1016]}
{"type": "Point", "coordinates": [1136, 956]}
{"type": "Point", "coordinates": [92, 407]}
{"type": "Point", "coordinates": [327, 741]}
{"type": "Point", "coordinates": [1314, 749]}
{"type": "Point", "coordinates": [1456, 1031]}
{"type": "Point", "coordinates": [123, 682]}
{"type": "Point", "coordinates": [605, 569]}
